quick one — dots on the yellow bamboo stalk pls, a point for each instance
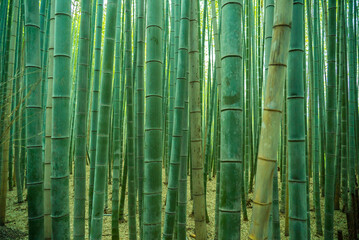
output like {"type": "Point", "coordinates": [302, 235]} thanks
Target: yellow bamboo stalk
{"type": "Point", "coordinates": [272, 113]}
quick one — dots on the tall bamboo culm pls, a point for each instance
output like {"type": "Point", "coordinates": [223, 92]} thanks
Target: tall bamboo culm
{"type": "Point", "coordinates": [130, 118]}
{"type": "Point", "coordinates": [153, 128]}
{"type": "Point", "coordinates": [102, 143]}
{"type": "Point", "coordinates": [296, 128]}
{"type": "Point", "coordinates": [6, 174]}
{"type": "Point", "coordinates": [331, 116]}
{"type": "Point", "coordinates": [48, 127]}
{"type": "Point", "coordinates": [94, 106]}
{"type": "Point", "coordinates": [60, 136]}
{"type": "Point", "coordinates": [196, 126]}
{"type": "Point", "coordinates": [117, 148]}
{"type": "Point", "coordinates": [81, 118]}
{"type": "Point", "coordinates": [181, 75]}
{"type": "Point", "coordinates": [33, 110]}
{"type": "Point", "coordinates": [231, 110]}
{"type": "Point", "coordinates": [272, 113]}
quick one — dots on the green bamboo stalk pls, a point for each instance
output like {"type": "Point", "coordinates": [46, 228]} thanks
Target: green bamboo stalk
{"type": "Point", "coordinates": [140, 106]}
{"type": "Point", "coordinates": [248, 111]}
{"type": "Point", "coordinates": [102, 144]}
{"type": "Point", "coordinates": [80, 127]}
{"type": "Point", "coordinates": [123, 189]}
{"type": "Point", "coordinates": [340, 84]}
{"type": "Point", "coordinates": [203, 37]}
{"type": "Point", "coordinates": [153, 118]}
{"type": "Point", "coordinates": [275, 207]}
{"type": "Point", "coordinates": [44, 44]}
{"type": "Point", "coordinates": [196, 128]}
{"type": "Point", "coordinates": [247, 72]}
{"type": "Point", "coordinates": [311, 76]}
{"type": "Point", "coordinates": [60, 138]}
{"type": "Point", "coordinates": [330, 123]}
{"type": "Point", "coordinates": [250, 75]}
{"type": "Point", "coordinates": [209, 119]}
{"type": "Point", "coordinates": [23, 106]}
{"type": "Point", "coordinates": [176, 19]}
{"type": "Point", "coordinates": [268, 29]}
{"type": "Point", "coordinates": [231, 159]}
{"type": "Point", "coordinates": [286, 220]}
{"type": "Point", "coordinates": [170, 90]}
{"type": "Point", "coordinates": [45, 95]}
{"type": "Point", "coordinates": [3, 21]}
{"type": "Point", "coordinates": [316, 128]}
{"type": "Point", "coordinates": [165, 83]}
{"type": "Point", "coordinates": [182, 186]}
{"type": "Point", "coordinates": [11, 100]}
{"type": "Point", "coordinates": [43, 9]}
{"type": "Point", "coordinates": [18, 73]}
{"type": "Point", "coordinates": [269, 15]}
{"type": "Point", "coordinates": [218, 130]}
{"type": "Point", "coordinates": [284, 154]}
{"type": "Point", "coordinates": [321, 110]}
{"type": "Point", "coordinates": [202, 65]}
{"type": "Point", "coordinates": [182, 66]}
{"type": "Point", "coordinates": [92, 45]}
{"type": "Point", "coordinates": [351, 122]}
{"type": "Point", "coordinates": [306, 122]}
{"type": "Point", "coordinates": [33, 121]}
{"type": "Point", "coordinates": [135, 94]}
{"type": "Point", "coordinates": [122, 95]}
{"type": "Point", "coordinates": [6, 135]}
{"type": "Point", "coordinates": [259, 62]}
{"type": "Point", "coordinates": [117, 130]}
{"type": "Point", "coordinates": [130, 124]}
{"type": "Point", "coordinates": [256, 73]}
{"type": "Point", "coordinates": [7, 28]}
{"type": "Point", "coordinates": [296, 128]}
{"type": "Point", "coordinates": [74, 76]}
{"type": "Point", "coordinates": [94, 107]}
{"type": "Point", "coordinates": [344, 113]}
{"type": "Point", "coordinates": [48, 128]}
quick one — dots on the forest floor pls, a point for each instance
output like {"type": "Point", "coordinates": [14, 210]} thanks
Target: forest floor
{"type": "Point", "coordinates": [17, 226]}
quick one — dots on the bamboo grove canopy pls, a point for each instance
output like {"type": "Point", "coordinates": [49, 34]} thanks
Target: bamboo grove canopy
{"type": "Point", "coordinates": [221, 119]}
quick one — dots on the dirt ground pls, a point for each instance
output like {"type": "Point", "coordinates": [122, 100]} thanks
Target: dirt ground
{"type": "Point", "coordinates": [17, 227]}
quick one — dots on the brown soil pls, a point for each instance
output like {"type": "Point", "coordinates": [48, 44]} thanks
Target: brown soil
{"type": "Point", "coordinates": [17, 227]}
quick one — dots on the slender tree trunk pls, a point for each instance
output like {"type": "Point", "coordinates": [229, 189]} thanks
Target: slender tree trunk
{"type": "Point", "coordinates": [117, 129]}
{"type": "Point", "coordinates": [352, 214]}
{"type": "Point", "coordinates": [272, 109]}
{"type": "Point", "coordinates": [95, 109]}
{"type": "Point", "coordinates": [330, 123]}
{"type": "Point", "coordinates": [154, 125]}
{"type": "Point", "coordinates": [60, 137]}
{"type": "Point", "coordinates": [140, 106]}
{"type": "Point", "coordinates": [196, 128]}
{"type": "Point", "coordinates": [182, 185]}
{"type": "Point", "coordinates": [34, 121]}
{"type": "Point", "coordinates": [18, 103]}
{"type": "Point", "coordinates": [182, 68]}
{"type": "Point", "coordinates": [130, 124]}
{"type": "Point", "coordinates": [103, 124]}
{"type": "Point", "coordinates": [316, 129]}
{"type": "Point", "coordinates": [80, 127]}
{"type": "Point", "coordinates": [296, 128]}
{"type": "Point", "coordinates": [6, 135]}
{"type": "Point", "coordinates": [231, 160]}
{"type": "Point", "coordinates": [275, 207]}
{"type": "Point", "coordinates": [48, 129]}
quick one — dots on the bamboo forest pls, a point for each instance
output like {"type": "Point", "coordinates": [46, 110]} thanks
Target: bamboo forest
{"type": "Point", "coordinates": [179, 119]}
